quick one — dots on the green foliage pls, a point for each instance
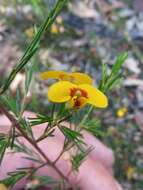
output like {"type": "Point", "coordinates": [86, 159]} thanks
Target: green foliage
{"type": "Point", "coordinates": [40, 119]}
{"type": "Point", "coordinates": [119, 62]}
{"type": "Point", "coordinates": [42, 181]}
{"type": "Point", "coordinates": [24, 60]}
{"type": "Point", "coordinates": [32, 48]}
{"type": "Point", "coordinates": [19, 174]}
{"type": "Point", "coordinates": [78, 159]}
{"type": "Point", "coordinates": [13, 178]}
{"type": "Point", "coordinates": [29, 72]}
{"type": "Point", "coordinates": [111, 80]}
{"type": "Point", "coordinates": [93, 126]}
{"type": "Point", "coordinates": [4, 143]}
{"type": "Point", "coordinates": [80, 115]}
{"type": "Point", "coordinates": [62, 111]}
{"type": "Point", "coordinates": [26, 127]}
{"type": "Point", "coordinates": [13, 104]}
{"type": "Point", "coordinates": [21, 147]}
{"type": "Point", "coordinates": [37, 6]}
{"type": "Point", "coordinates": [72, 135]}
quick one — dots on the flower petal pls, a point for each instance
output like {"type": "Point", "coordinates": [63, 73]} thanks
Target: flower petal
{"type": "Point", "coordinates": [81, 78]}
{"type": "Point", "coordinates": [95, 96]}
{"type": "Point", "coordinates": [60, 91]}
{"type": "Point", "coordinates": [52, 74]}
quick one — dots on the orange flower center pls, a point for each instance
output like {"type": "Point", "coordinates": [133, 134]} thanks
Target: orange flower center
{"type": "Point", "coordinates": [78, 92]}
{"type": "Point", "coordinates": [78, 97]}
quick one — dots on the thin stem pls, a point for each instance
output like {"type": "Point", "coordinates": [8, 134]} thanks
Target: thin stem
{"type": "Point", "coordinates": [86, 116]}
{"type": "Point", "coordinates": [45, 134]}
{"type": "Point", "coordinates": [50, 124]}
{"type": "Point", "coordinates": [35, 169]}
{"type": "Point", "coordinates": [33, 143]}
{"type": "Point", "coordinates": [61, 153]}
{"type": "Point", "coordinates": [32, 48]}
{"type": "Point", "coordinates": [53, 110]}
{"type": "Point", "coordinates": [23, 106]}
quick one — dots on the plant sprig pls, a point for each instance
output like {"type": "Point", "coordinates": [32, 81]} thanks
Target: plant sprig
{"type": "Point", "coordinates": [34, 45]}
{"type": "Point", "coordinates": [111, 80]}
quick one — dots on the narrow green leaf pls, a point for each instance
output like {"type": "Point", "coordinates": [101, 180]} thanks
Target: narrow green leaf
{"type": "Point", "coordinates": [72, 135]}
{"type": "Point", "coordinates": [104, 77]}
{"type": "Point", "coordinates": [27, 127]}
{"type": "Point", "coordinates": [119, 61]}
{"type": "Point", "coordinates": [20, 147]}
{"type": "Point", "coordinates": [43, 181]}
{"type": "Point", "coordinates": [11, 103]}
{"type": "Point", "coordinates": [110, 81]}
{"type": "Point", "coordinates": [13, 178]}
{"type": "Point", "coordinates": [39, 120]}
{"type": "Point", "coordinates": [116, 82]}
{"type": "Point", "coordinates": [29, 69]}
{"type": "Point", "coordinates": [94, 127]}
{"type": "Point", "coordinates": [32, 48]}
{"type": "Point", "coordinates": [16, 69]}
{"type": "Point", "coordinates": [78, 159]}
{"type": "Point", "coordinates": [4, 142]}
{"type": "Point", "coordinates": [12, 138]}
{"type": "Point", "coordinates": [33, 159]}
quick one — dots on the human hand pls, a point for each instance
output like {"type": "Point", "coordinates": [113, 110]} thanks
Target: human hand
{"type": "Point", "coordinates": [95, 173]}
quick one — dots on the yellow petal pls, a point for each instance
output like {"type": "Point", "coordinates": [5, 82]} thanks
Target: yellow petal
{"type": "Point", "coordinates": [81, 78]}
{"type": "Point", "coordinates": [130, 172]}
{"type": "Point", "coordinates": [60, 91]}
{"type": "Point", "coordinates": [95, 96]}
{"type": "Point", "coordinates": [29, 32]}
{"type": "Point", "coordinates": [121, 112]}
{"type": "Point", "coordinates": [54, 29]}
{"type": "Point", "coordinates": [3, 187]}
{"type": "Point", "coordinates": [52, 74]}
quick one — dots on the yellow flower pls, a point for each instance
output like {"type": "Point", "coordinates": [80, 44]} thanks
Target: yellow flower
{"type": "Point", "coordinates": [75, 77]}
{"type": "Point", "coordinates": [130, 172]}
{"type": "Point", "coordinates": [29, 32]}
{"type": "Point", "coordinates": [3, 187]}
{"type": "Point", "coordinates": [54, 29]}
{"type": "Point", "coordinates": [76, 95]}
{"type": "Point", "coordinates": [121, 112]}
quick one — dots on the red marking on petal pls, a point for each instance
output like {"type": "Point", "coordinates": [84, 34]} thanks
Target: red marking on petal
{"type": "Point", "coordinates": [77, 91]}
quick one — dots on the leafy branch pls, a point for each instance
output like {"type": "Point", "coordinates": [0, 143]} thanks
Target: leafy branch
{"type": "Point", "coordinates": [33, 143]}
{"type": "Point", "coordinates": [33, 47]}
{"type": "Point", "coordinates": [108, 81]}
{"type": "Point", "coordinates": [111, 80]}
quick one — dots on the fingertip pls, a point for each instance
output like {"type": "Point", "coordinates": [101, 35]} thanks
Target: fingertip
{"type": "Point", "coordinates": [100, 152]}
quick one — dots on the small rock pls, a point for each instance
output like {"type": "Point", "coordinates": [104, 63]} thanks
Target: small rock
{"type": "Point", "coordinates": [133, 82]}
{"type": "Point", "coordinates": [133, 65]}
{"type": "Point", "coordinates": [124, 13]}
{"type": "Point", "coordinates": [139, 119]}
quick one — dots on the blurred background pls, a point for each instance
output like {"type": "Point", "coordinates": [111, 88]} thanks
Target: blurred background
{"type": "Point", "coordinates": [85, 34]}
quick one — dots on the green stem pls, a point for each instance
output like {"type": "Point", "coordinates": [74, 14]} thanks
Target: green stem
{"type": "Point", "coordinates": [32, 48]}
{"type": "Point", "coordinates": [86, 116]}
{"type": "Point", "coordinates": [33, 143]}
{"type": "Point", "coordinates": [61, 153]}
{"type": "Point", "coordinates": [46, 133]}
